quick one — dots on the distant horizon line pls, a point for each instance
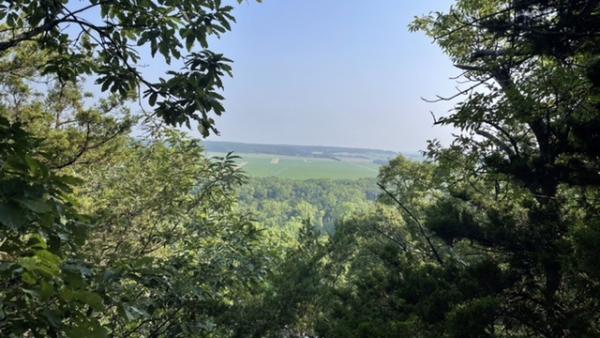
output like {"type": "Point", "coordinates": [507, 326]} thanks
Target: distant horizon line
{"type": "Point", "coordinates": [310, 145]}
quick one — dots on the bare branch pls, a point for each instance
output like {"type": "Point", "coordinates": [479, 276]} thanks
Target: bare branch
{"type": "Point", "coordinates": [496, 141]}
{"type": "Point", "coordinates": [460, 92]}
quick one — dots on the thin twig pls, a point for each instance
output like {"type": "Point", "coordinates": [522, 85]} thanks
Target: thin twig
{"type": "Point", "coordinates": [419, 225]}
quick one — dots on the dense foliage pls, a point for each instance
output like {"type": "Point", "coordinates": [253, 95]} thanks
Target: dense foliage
{"type": "Point", "coordinates": [502, 226]}
{"type": "Point", "coordinates": [104, 39]}
{"type": "Point", "coordinates": [107, 235]}
{"type": "Point", "coordinates": [286, 203]}
{"type": "Point", "coordinates": [102, 234]}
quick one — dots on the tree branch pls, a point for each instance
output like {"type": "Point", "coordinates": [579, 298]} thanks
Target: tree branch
{"type": "Point", "coordinates": [419, 225]}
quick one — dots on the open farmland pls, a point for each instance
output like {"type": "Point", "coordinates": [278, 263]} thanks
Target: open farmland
{"type": "Point", "coordinates": [306, 162]}
{"type": "Point", "coordinates": [296, 167]}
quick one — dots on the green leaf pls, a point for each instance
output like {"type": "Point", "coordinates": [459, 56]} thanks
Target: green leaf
{"type": "Point", "coordinates": [36, 241]}
{"type": "Point", "coordinates": [46, 220]}
{"type": "Point", "coordinates": [28, 278]}
{"type": "Point", "coordinates": [90, 298]}
{"type": "Point", "coordinates": [89, 329]}
{"type": "Point", "coordinates": [71, 180]}
{"type": "Point", "coordinates": [133, 313]}
{"type": "Point", "coordinates": [152, 98]}
{"type": "Point", "coordinates": [12, 216]}
{"type": "Point", "coordinates": [53, 317]}
{"type": "Point", "coordinates": [46, 290]}
{"type": "Point", "coordinates": [105, 84]}
{"type": "Point", "coordinates": [33, 165]}
{"type": "Point", "coordinates": [38, 205]}
{"type": "Point", "coordinates": [189, 41]}
{"type": "Point", "coordinates": [42, 263]}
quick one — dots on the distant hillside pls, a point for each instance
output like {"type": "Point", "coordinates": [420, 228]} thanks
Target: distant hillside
{"type": "Point", "coordinates": [335, 153]}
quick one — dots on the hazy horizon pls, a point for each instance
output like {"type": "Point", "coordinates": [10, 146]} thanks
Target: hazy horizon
{"type": "Point", "coordinates": [217, 139]}
{"type": "Point", "coordinates": [335, 73]}
{"type": "Point", "coordinates": [303, 75]}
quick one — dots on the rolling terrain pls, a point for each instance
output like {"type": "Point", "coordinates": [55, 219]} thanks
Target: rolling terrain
{"type": "Point", "coordinates": [305, 162]}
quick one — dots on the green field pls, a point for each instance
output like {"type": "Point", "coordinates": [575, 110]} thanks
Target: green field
{"type": "Point", "coordinates": [296, 167]}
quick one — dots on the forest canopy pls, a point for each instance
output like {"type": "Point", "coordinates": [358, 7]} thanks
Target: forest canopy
{"type": "Point", "coordinates": [103, 234]}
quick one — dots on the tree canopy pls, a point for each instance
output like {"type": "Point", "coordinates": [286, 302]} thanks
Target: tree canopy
{"type": "Point", "coordinates": [103, 234]}
{"type": "Point", "coordinates": [106, 39]}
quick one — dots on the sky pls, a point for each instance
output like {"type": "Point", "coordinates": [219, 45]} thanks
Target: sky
{"type": "Point", "coordinates": [334, 72]}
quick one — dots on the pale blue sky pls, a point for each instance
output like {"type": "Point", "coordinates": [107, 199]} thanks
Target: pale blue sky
{"type": "Point", "coordinates": [333, 72]}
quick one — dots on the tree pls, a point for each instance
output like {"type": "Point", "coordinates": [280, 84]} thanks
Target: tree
{"type": "Point", "coordinates": [502, 226]}
{"type": "Point", "coordinates": [57, 278]}
{"type": "Point", "coordinates": [74, 128]}
{"type": "Point", "coordinates": [169, 249]}
{"type": "Point", "coordinates": [41, 228]}
{"type": "Point", "coordinates": [104, 39]}
{"type": "Point", "coordinates": [142, 243]}
{"type": "Point", "coordinates": [526, 164]}
{"type": "Point", "coordinates": [45, 285]}
{"type": "Point", "coordinates": [277, 202]}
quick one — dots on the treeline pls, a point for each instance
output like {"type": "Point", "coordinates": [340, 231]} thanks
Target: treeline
{"type": "Point", "coordinates": [103, 235]}
{"type": "Point", "coordinates": [298, 150]}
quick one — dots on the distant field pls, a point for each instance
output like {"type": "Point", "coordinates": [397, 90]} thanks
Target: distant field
{"type": "Point", "coordinates": [306, 162]}
{"type": "Point", "coordinates": [296, 167]}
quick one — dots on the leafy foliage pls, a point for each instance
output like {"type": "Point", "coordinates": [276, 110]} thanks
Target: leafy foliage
{"type": "Point", "coordinates": [41, 229]}
{"type": "Point", "coordinates": [104, 38]}
{"type": "Point", "coordinates": [101, 234]}
{"type": "Point", "coordinates": [285, 203]}
{"type": "Point", "coordinates": [497, 233]}
{"type": "Point", "coordinates": [172, 252]}
{"type": "Point", "coordinates": [524, 158]}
